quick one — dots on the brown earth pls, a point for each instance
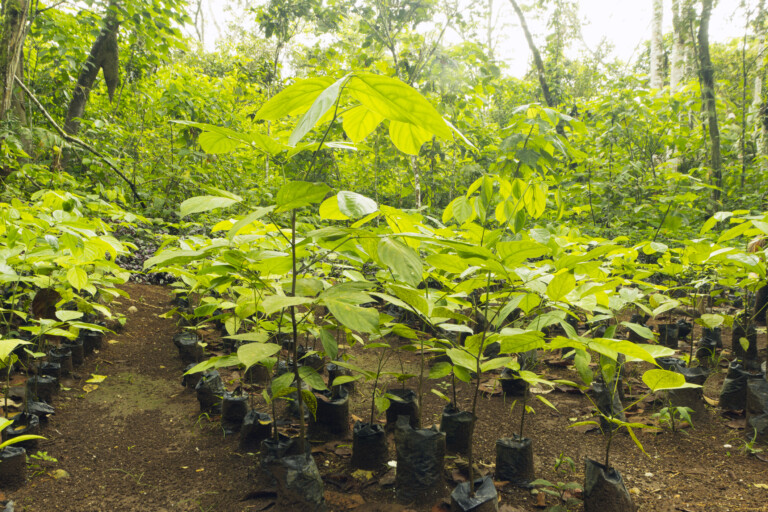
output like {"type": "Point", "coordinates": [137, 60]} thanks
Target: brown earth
{"type": "Point", "coordinates": [139, 442]}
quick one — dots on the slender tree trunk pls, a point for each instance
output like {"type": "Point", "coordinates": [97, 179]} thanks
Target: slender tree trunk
{"type": "Point", "coordinates": [416, 180]}
{"type": "Point", "coordinates": [709, 98]}
{"type": "Point", "coordinates": [760, 134]}
{"type": "Point", "coordinates": [536, 57]}
{"type": "Point", "coordinates": [489, 30]}
{"type": "Point", "coordinates": [104, 57]}
{"type": "Point", "coordinates": [657, 46]}
{"type": "Point", "coordinates": [15, 14]}
{"type": "Point", "coordinates": [678, 48]}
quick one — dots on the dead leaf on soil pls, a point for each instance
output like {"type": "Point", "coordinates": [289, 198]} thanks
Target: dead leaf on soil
{"type": "Point", "coordinates": [90, 387]}
{"type": "Point", "coordinates": [9, 403]}
{"type": "Point", "coordinates": [339, 501]}
{"type": "Point", "coordinates": [738, 423]}
{"type": "Point", "coordinates": [761, 486]}
{"type": "Point", "coordinates": [362, 475]}
{"type": "Point", "coordinates": [441, 507]}
{"type": "Point", "coordinates": [355, 418]}
{"type": "Point", "coordinates": [343, 451]}
{"type": "Point", "coordinates": [711, 401]}
{"type": "Point", "coordinates": [583, 429]}
{"type": "Point", "coordinates": [95, 379]}
{"type": "Point", "coordinates": [541, 499]}
{"type": "Point", "coordinates": [388, 479]}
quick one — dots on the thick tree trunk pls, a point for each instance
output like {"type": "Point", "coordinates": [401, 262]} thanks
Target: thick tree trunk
{"type": "Point", "coordinates": [104, 57]}
{"type": "Point", "coordinates": [536, 57]}
{"type": "Point", "coordinates": [709, 98]}
{"type": "Point", "coordinates": [657, 46]}
{"type": "Point", "coordinates": [15, 14]}
{"type": "Point", "coordinates": [678, 48]}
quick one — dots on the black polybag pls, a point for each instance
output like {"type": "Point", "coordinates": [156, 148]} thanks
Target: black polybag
{"type": "Point", "coordinates": [514, 460]}
{"type": "Point", "coordinates": [485, 498]}
{"type": "Point", "coordinates": [407, 405]}
{"type": "Point", "coordinates": [234, 407]}
{"type": "Point", "coordinates": [604, 489]}
{"type": "Point", "coordinates": [457, 426]}
{"type": "Point", "coordinates": [733, 395]}
{"type": "Point", "coordinates": [300, 486]}
{"type": "Point", "coordinates": [420, 463]}
{"type": "Point", "coordinates": [369, 446]}
{"type": "Point", "coordinates": [209, 391]}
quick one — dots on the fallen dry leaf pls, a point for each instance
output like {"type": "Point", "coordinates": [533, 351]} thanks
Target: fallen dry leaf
{"type": "Point", "coordinates": [340, 501]}
{"type": "Point", "coordinates": [90, 387]}
{"type": "Point", "coordinates": [737, 424]}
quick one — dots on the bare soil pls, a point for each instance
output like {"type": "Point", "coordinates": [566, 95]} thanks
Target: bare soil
{"type": "Point", "coordinates": [138, 441]}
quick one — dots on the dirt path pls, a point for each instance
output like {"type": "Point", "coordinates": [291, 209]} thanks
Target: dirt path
{"type": "Point", "coordinates": [136, 442]}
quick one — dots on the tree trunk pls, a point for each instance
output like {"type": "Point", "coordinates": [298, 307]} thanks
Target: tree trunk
{"type": "Point", "coordinates": [760, 135]}
{"type": "Point", "coordinates": [15, 13]}
{"type": "Point", "coordinates": [657, 46]}
{"type": "Point", "coordinates": [489, 30]}
{"type": "Point", "coordinates": [104, 57]}
{"type": "Point", "coordinates": [709, 99]}
{"type": "Point", "coordinates": [678, 48]}
{"type": "Point", "coordinates": [536, 57]}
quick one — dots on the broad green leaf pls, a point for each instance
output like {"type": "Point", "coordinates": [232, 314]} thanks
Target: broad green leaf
{"type": "Point", "coordinates": [330, 345]}
{"type": "Point", "coordinates": [440, 370]}
{"type": "Point", "coordinates": [735, 231]}
{"type": "Point", "coordinates": [640, 330]}
{"type": "Point", "coordinates": [274, 303]}
{"type": "Point", "coordinates": [216, 143]}
{"type": "Point", "coordinates": [8, 346]}
{"type": "Point", "coordinates": [354, 317]}
{"type": "Point", "coordinates": [248, 219]}
{"type": "Point", "coordinates": [204, 204]}
{"type": "Point", "coordinates": [310, 400]}
{"type": "Point", "coordinates": [359, 122]}
{"type": "Point", "coordinates": [560, 286]}
{"type": "Point", "coordinates": [354, 205]}
{"type": "Point", "coordinates": [448, 263]}
{"type": "Point", "coordinates": [297, 194]}
{"type": "Point", "coordinates": [252, 353]}
{"type": "Point", "coordinates": [312, 378]}
{"type": "Point", "coordinates": [329, 209]}
{"type": "Point", "coordinates": [413, 298]}
{"type": "Point", "coordinates": [657, 379]}
{"type": "Point", "coordinates": [260, 336]}
{"type": "Point", "coordinates": [66, 316]}
{"type": "Point", "coordinates": [295, 99]}
{"type": "Point", "coordinates": [77, 277]}
{"type": "Point", "coordinates": [396, 101]}
{"type": "Point", "coordinates": [402, 260]}
{"type": "Point", "coordinates": [462, 358]}
{"type": "Point", "coordinates": [408, 137]}
{"type": "Point", "coordinates": [320, 106]}
{"type": "Point", "coordinates": [711, 321]}
{"type": "Point", "coordinates": [382, 403]}
{"type": "Point", "coordinates": [522, 342]}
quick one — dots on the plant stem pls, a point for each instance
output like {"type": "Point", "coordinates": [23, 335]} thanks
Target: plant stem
{"type": "Point", "coordinates": [297, 378]}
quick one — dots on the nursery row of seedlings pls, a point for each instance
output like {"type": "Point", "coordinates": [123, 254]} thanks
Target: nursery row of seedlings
{"type": "Point", "coordinates": [52, 358]}
{"type": "Point", "coordinates": [420, 452]}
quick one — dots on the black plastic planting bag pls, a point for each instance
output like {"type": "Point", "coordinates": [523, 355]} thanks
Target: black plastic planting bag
{"type": "Point", "coordinates": [190, 349]}
{"type": "Point", "coordinates": [13, 467]}
{"type": "Point", "coordinates": [692, 398]}
{"type": "Point", "coordinates": [78, 352]}
{"type": "Point", "coordinates": [91, 341]}
{"type": "Point", "coordinates": [457, 426]}
{"type": "Point", "coordinates": [748, 356]}
{"type": "Point", "coordinates": [40, 409]}
{"type": "Point", "coordinates": [42, 387]}
{"type": "Point", "coordinates": [604, 489]}
{"type": "Point", "coordinates": [609, 403]}
{"type": "Point", "coordinates": [257, 426]}
{"type": "Point", "coordinates": [284, 446]}
{"type": "Point", "coordinates": [514, 460]}
{"type": "Point", "coordinates": [209, 391]}
{"type": "Point", "coordinates": [511, 383]}
{"type": "Point", "coordinates": [484, 499]}
{"type": "Point", "coordinates": [369, 446]}
{"type": "Point", "coordinates": [757, 410]}
{"type": "Point", "coordinates": [407, 405]}
{"type": "Point", "coordinates": [300, 486]}
{"type": "Point", "coordinates": [334, 371]}
{"type": "Point", "coordinates": [668, 335]}
{"type": "Point", "coordinates": [733, 396]}
{"type": "Point", "coordinates": [63, 356]}
{"type": "Point", "coordinates": [50, 369]}
{"type": "Point", "coordinates": [190, 381]}
{"type": "Point", "coordinates": [420, 462]}
{"type": "Point", "coordinates": [24, 424]}
{"type": "Point", "coordinates": [332, 415]}
{"type": "Point", "coordinates": [234, 407]}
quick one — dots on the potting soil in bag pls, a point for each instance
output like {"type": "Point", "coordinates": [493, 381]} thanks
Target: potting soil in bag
{"type": "Point", "coordinates": [407, 405]}
{"type": "Point", "coordinates": [604, 489]}
{"type": "Point", "coordinates": [234, 407]}
{"type": "Point", "coordinates": [420, 462]}
{"type": "Point", "coordinates": [484, 499]}
{"type": "Point", "coordinates": [369, 446]}
{"type": "Point", "coordinates": [733, 396]}
{"type": "Point", "coordinates": [457, 426]}
{"type": "Point", "coordinates": [13, 467]}
{"type": "Point", "coordinates": [257, 426]}
{"type": "Point", "coordinates": [209, 391]}
{"type": "Point", "coordinates": [514, 460]}
{"type": "Point", "coordinates": [300, 486]}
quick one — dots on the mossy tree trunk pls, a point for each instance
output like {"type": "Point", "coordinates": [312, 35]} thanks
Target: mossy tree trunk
{"type": "Point", "coordinates": [15, 14]}
{"type": "Point", "coordinates": [709, 98]}
{"type": "Point", "coordinates": [103, 56]}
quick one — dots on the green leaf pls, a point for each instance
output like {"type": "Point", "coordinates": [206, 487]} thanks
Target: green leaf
{"type": "Point", "coordinates": [402, 260]}
{"type": "Point", "coordinates": [312, 378]}
{"type": "Point", "coordinates": [311, 401]}
{"type": "Point", "coordinates": [66, 316]}
{"type": "Point", "coordinates": [408, 137]}
{"type": "Point", "coordinates": [359, 122]}
{"type": "Point", "coordinates": [330, 345]}
{"type": "Point", "coordinates": [295, 99]}
{"type": "Point", "coordinates": [640, 330]}
{"type": "Point", "coordinates": [382, 403]}
{"type": "Point", "coordinates": [320, 106]}
{"type": "Point", "coordinates": [329, 209]}
{"type": "Point", "coordinates": [259, 336]}
{"type": "Point", "coordinates": [297, 194]}
{"type": "Point", "coordinates": [354, 205]}
{"type": "Point", "coordinates": [448, 263]}
{"type": "Point", "coordinates": [248, 219]}
{"type": "Point", "coordinates": [522, 342]}
{"type": "Point", "coordinates": [252, 353]}
{"type": "Point", "coordinates": [77, 277]}
{"type": "Point", "coordinates": [396, 101]}
{"type": "Point", "coordinates": [275, 303]}
{"type": "Point", "coordinates": [735, 231]}
{"type": "Point", "coordinates": [203, 204]}
{"type": "Point", "coordinates": [354, 317]}
{"type": "Point", "coordinates": [462, 358]}
{"type": "Point", "coordinates": [560, 286]}
{"type": "Point", "coordinates": [440, 370]}
{"type": "Point", "coordinates": [657, 379]}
